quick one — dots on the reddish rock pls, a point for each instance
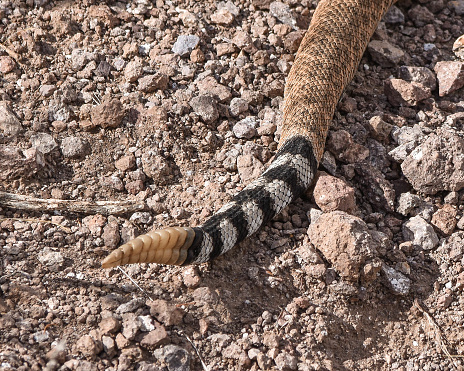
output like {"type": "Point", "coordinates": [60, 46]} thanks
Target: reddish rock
{"type": "Point", "coordinates": [331, 193]}
{"type": "Point", "coordinates": [151, 83]}
{"type": "Point", "coordinates": [7, 64]}
{"type": "Point", "coordinates": [380, 128]}
{"type": "Point", "coordinates": [109, 114]}
{"type": "Point", "coordinates": [125, 163]}
{"type": "Point", "coordinates": [345, 241]}
{"type": "Point", "coordinates": [400, 92]}
{"type": "Point", "coordinates": [109, 325]}
{"type": "Point", "coordinates": [155, 338]}
{"type": "Point", "coordinates": [445, 219]}
{"type": "Point", "coordinates": [165, 312]}
{"type": "Point", "coordinates": [450, 76]}
{"type": "Point", "coordinates": [341, 144]}
{"type": "Point", "coordinates": [209, 86]}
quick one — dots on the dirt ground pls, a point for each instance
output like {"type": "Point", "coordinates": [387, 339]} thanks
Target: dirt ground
{"type": "Point", "coordinates": [109, 101]}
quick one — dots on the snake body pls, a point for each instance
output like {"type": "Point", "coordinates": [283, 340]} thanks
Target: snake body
{"type": "Point", "coordinates": [325, 63]}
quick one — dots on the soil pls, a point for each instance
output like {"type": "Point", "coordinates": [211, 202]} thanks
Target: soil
{"type": "Point", "coordinates": [102, 109]}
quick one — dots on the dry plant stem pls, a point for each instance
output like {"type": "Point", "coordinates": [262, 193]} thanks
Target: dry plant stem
{"type": "Point", "coordinates": [23, 202]}
{"type": "Point", "coordinates": [437, 332]}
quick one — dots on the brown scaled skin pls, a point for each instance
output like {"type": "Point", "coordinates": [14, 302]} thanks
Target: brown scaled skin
{"type": "Point", "coordinates": [162, 246]}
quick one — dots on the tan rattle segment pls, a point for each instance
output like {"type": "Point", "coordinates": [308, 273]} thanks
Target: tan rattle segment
{"type": "Point", "coordinates": [163, 246]}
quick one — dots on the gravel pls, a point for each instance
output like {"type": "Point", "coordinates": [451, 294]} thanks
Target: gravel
{"type": "Point", "coordinates": [178, 105]}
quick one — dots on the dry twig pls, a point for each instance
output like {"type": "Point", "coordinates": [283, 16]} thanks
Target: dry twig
{"type": "Point", "coordinates": [437, 332]}
{"type": "Point", "coordinates": [23, 202]}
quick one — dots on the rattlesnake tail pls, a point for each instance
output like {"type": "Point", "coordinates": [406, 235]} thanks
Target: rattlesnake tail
{"type": "Point", "coordinates": [288, 176]}
{"type": "Point", "coordinates": [325, 63]}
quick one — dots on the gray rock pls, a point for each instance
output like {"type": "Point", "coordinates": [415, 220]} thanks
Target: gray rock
{"type": "Point", "coordinates": [457, 6]}
{"type": "Point", "coordinates": [437, 164]}
{"type": "Point", "coordinates": [450, 76]}
{"type": "Point", "coordinates": [130, 325]}
{"type": "Point", "coordinates": [185, 44]}
{"type": "Point", "coordinates": [420, 233]}
{"type": "Point", "coordinates": [385, 54]}
{"type": "Point", "coordinates": [74, 147]}
{"type": "Point", "coordinates": [458, 47]}
{"type": "Point", "coordinates": [59, 112]}
{"type": "Point", "coordinates": [398, 283]}
{"type": "Point", "coordinates": [52, 259]}
{"type": "Point", "coordinates": [421, 16]}
{"type": "Point", "coordinates": [402, 151]}
{"type": "Point", "coordinates": [175, 357]}
{"type": "Point", "coordinates": [206, 107]}
{"type": "Point", "coordinates": [285, 361]}
{"type": "Point", "coordinates": [394, 15]}
{"type": "Point", "coordinates": [246, 128]}
{"type": "Point", "coordinates": [407, 134]}
{"type": "Point", "coordinates": [283, 13]}
{"type": "Point", "coordinates": [407, 202]}
{"type": "Point", "coordinates": [9, 123]}
{"type": "Point", "coordinates": [43, 142]}
{"type": "Point", "coordinates": [238, 106]}
{"type": "Point", "coordinates": [130, 306]}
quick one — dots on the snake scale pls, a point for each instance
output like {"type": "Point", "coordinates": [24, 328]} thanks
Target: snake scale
{"type": "Point", "coordinates": [325, 63]}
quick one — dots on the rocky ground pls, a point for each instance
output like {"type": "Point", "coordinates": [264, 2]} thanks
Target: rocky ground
{"type": "Point", "coordinates": [175, 106]}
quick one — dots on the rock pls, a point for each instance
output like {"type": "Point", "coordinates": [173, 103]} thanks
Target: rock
{"type": "Point", "coordinates": [341, 144]}
{"type": "Point", "coordinates": [238, 106]}
{"type": "Point", "coordinates": [393, 16]}
{"type": "Point", "coordinates": [385, 53]}
{"type": "Point", "coordinates": [249, 167]}
{"type": "Point", "coordinates": [175, 357]}
{"type": "Point", "coordinates": [191, 277]}
{"type": "Point", "coordinates": [74, 147]}
{"type": "Point", "coordinates": [133, 70]}
{"type": "Point", "coordinates": [165, 312]}
{"type": "Point", "coordinates": [407, 134]}
{"type": "Point", "coordinates": [398, 283]}
{"type": "Point", "coordinates": [444, 219]}
{"type": "Point", "coordinates": [450, 76]}
{"type": "Point", "coordinates": [151, 83]}
{"type": "Point", "coordinates": [407, 202]}
{"type": "Point", "coordinates": [331, 193]}
{"type": "Point", "coordinates": [209, 86]}
{"type": "Point", "coordinates": [156, 167]}
{"type": "Point", "coordinates": [206, 107]}
{"type": "Point", "coordinates": [437, 164]}
{"type": "Point", "coordinates": [155, 338]}
{"type": "Point", "coordinates": [185, 44]}
{"type": "Point", "coordinates": [7, 64]}
{"type": "Point", "coordinates": [293, 40]}
{"type": "Point", "coordinates": [130, 326]}
{"type": "Point", "coordinates": [14, 164]}
{"type": "Point", "coordinates": [222, 16]}
{"type": "Point", "coordinates": [52, 259]}
{"type": "Point", "coordinates": [458, 47]}
{"type": "Point", "coordinates": [420, 15]}
{"type": "Point", "coordinates": [374, 186]}
{"type": "Point", "coordinates": [420, 233]}
{"type": "Point", "coordinates": [400, 92]}
{"type": "Point", "coordinates": [125, 163]}
{"type": "Point", "coordinates": [380, 128]}
{"type": "Point", "coordinates": [88, 346]}
{"type": "Point", "coordinates": [130, 306]}
{"type": "Point", "coordinates": [47, 90]}
{"type": "Point", "coordinates": [246, 128]}
{"type": "Point", "coordinates": [44, 142]}
{"type": "Point", "coordinates": [109, 325]}
{"type": "Point", "coordinates": [9, 123]}
{"type": "Point", "coordinates": [283, 13]}
{"type": "Point", "coordinates": [345, 242]}
{"type": "Point", "coordinates": [457, 6]}
{"type": "Point", "coordinates": [109, 346]}
{"type": "Point", "coordinates": [109, 114]}
{"type": "Point", "coordinates": [421, 75]}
